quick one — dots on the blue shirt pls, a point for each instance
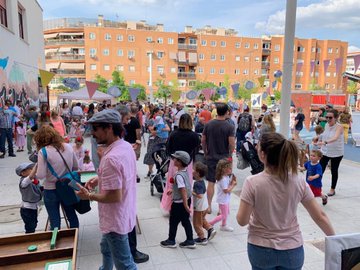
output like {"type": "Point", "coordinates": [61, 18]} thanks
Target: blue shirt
{"type": "Point", "coordinates": [312, 170]}
{"type": "Point", "coordinates": [6, 118]}
{"type": "Point", "coordinates": [160, 133]}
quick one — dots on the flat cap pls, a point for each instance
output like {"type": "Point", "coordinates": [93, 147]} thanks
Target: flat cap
{"type": "Point", "coordinates": [105, 116]}
{"type": "Point", "coordinates": [183, 156]}
{"type": "Point", "coordinates": [24, 166]}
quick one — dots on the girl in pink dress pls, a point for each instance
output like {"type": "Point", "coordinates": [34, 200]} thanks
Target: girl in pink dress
{"type": "Point", "coordinates": [88, 165]}
{"type": "Point", "coordinates": [79, 151]}
{"type": "Point", "coordinates": [21, 134]}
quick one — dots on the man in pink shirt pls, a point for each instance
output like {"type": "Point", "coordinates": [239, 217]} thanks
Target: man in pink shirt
{"type": "Point", "coordinates": [117, 190]}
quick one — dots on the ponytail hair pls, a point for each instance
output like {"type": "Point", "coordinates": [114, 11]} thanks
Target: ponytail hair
{"type": "Point", "coordinates": [281, 155]}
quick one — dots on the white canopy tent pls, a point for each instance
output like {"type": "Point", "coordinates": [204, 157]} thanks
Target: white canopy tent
{"type": "Point", "coordinates": [82, 94]}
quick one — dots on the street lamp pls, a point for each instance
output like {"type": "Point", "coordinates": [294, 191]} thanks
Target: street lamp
{"type": "Point", "coordinates": [150, 55]}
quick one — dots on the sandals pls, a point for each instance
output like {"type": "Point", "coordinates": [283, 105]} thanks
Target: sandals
{"type": "Point", "coordinates": [330, 194]}
{"type": "Point", "coordinates": [325, 200]}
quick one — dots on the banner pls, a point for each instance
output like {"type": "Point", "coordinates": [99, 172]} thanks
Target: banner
{"type": "Point", "coordinates": [207, 92]}
{"type": "Point", "coordinates": [326, 65]}
{"type": "Point", "coordinates": [277, 73]}
{"type": "Point", "coordinates": [91, 87]}
{"type": "Point", "coordinates": [222, 91]}
{"type": "Point", "coordinates": [261, 81]}
{"type": "Point", "coordinates": [299, 66]}
{"type": "Point", "coordinates": [235, 88]}
{"type": "Point", "coordinates": [255, 100]}
{"type": "Point", "coordinates": [312, 66]}
{"type": "Point", "coordinates": [279, 80]}
{"type": "Point", "coordinates": [191, 95]}
{"type": "Point", "coordinates": [45, 77]}
{"type": "Point", "coordinates": [268, 90]}
{"type": "Point", "coordinates": [273, 84]}
{"type": "Point", "coordinates": [338, 64]}
{"type": "Point", "coordinates": [175, 95]}
{"type": "Point", "coordinates": [114, 91]}
{"type": "Point", "coordinates": [249, 85]}
{"type": "Point", "coordinates": [264, 95]}
{"type": "Point", "coordinates": [134, 92]}
{"type": "Point", "coordinates": [72, 83]}
{"type": "Point", "coordinates": [356, 62]}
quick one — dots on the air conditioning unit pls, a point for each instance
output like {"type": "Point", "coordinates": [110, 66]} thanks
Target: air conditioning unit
{"type": "Point", "coordinates": [131, 57]}
{"type": "Point", "coordinates": [93, 56]}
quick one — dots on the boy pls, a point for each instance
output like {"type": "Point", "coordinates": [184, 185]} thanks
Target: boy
{"type": "Point", "coordinates": [30, 195]}
{"type": "Point", "coordinates": [201, 205]}
{"type": "Point", "coordinates": [181, 200]}
{"type": "Point", "coordinates": [314, 174]}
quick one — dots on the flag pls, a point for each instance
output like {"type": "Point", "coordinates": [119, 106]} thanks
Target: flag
{"type": "Point", "coordinates": [273, 84]}
{"type": "Point", "coordinates": [45, 77]}
{"type": "Point", "coordinates": [279, 80]}
{"type": "Point", "coordinates": [91, 87]}
{"type": "Point", "coordinates": [134, 92]}
{"type": "Point", "coordinates": [261, 81]}
{"type": "Point", "coordinates": [114, 91]}
{"type": "Point", "coordinates": [326, 65]}
{"type": "Point", "coordinates": [338, 64]}
{"type": "Point", "coordinates": [191, 94]}
{"type": "Point", "coordinates": [235, 87]}
{"type": "Point", "coordinates": [175, 95]}
{"type": "Point", "coordinates": [356, 62]}
{"type": "Point", "coordinates": [207, 92]}
{"type": "Point", "coordinates": [298, 66]}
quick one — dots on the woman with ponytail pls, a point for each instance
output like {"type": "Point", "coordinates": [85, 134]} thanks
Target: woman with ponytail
{"type": "Point", "coordinates": [269, 201]}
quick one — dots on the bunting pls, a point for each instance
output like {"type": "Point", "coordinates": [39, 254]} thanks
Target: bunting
{"type": "Point", "coordinates": [191, 95]}
{"type": "Point", "coordinates": [207, 92]}
{"type": "Point", "coordinates": [273, 84]}
{"type": "Point", "coordinates": [326, 65]}
{"type": "Point", "coordinates": [45, 77]}
{"type": "Point", "coordinates": [91, 87]}
{"type": "Point", "coordinates": [261, 80]}
{"type": "Point", "coordinates": [338, 64]}
{"type": "Point", "coordinates": [249, 85]}
{"type": "Point", "coordinates": [134, 92]}
{"type": "Point", "coordinates": [222, 91]}
{"type": "Point", "coordinates": [279, 80]}
{"type": "Point", "coordinates": [114, 91]}
{"type": "Point", "coordinates": [175, 95]}
{"type": "Point", "coordinates": [235, 87]}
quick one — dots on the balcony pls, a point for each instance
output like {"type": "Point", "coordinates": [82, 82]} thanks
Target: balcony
{"type": "Point", "coordinates": [70, 72]}
{"type": "Point", "coordinates": [265, 64]}
{"type": "Point", "coordinates": [64, 42]}
{"type": "Point", "coordinates": [266, 51]}
{"type": "Point", "coordinates": [191, 47]}
{"type": "Point", "coordinates": [65, 57]}
{"type": "Point", "coordinates": [186, 75]}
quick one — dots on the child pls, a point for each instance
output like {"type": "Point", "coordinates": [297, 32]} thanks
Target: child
{"type": "Point", "coordinates": [20, 138]}
{"type": "Point", "coordinates": [224, 187]}
{"type": "Point", "coordinates": [30, 195]}
{"type": "Point", "coordinates": [181, 200]}
{"type": "Point", "coordinates": [318, 131]}
{"type": "Point", "coordinates": [79, 151]}
{"type": "Point", "coordinates": [201, 205]}
{"type": "Point", "coordinates": [88, 165]}
{"type": "Point", "coordinates": [314, 174]}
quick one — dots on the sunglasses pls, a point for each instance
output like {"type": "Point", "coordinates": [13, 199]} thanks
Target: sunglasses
{"type": "Point", "coordinates": [95, 127]}
{"type": "Point", "coordinates": [329, 117]}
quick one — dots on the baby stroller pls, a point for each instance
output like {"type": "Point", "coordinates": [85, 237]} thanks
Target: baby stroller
{"type": "Point", "coordinates": [250, 154]}
{"type": "Point", "coordinates": [162, 161]}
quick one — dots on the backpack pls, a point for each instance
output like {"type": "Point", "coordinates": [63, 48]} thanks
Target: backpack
{"type": "Point", "coordinates": [245, 122]}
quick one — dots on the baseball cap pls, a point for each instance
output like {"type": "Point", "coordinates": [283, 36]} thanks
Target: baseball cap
{"type": "Point", "coordinates": [183, 156]}
{"type": "Point", "coordinates": [105, 116]}
{"type": "Point", "coordinates": [24, 166]}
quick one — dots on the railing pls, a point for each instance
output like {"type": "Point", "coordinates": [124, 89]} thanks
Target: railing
{"type": "Point", "coordinates": [70, 71]}
{"type": "Point", "coordinates": [65, 57]}
{"type": "Point", "coordinates": [265, 64]}
{"type": "Point", "coordinates": [187, 47]}
{"type": "Point", "coordinates": [64, 41]}
{"type": "Point", "coordinates": [266, 51]}
{"type": "Point", "coordinates": [190, 75]}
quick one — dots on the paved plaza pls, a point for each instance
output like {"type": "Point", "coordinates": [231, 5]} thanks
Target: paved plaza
{"type": "Point", "coordinates": [226, 251]}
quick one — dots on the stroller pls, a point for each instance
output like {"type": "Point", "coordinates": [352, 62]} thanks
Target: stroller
{"type": "Point", "coordinates": [249, 153]}
{"type": "Point", "coordinates": [162, 162]}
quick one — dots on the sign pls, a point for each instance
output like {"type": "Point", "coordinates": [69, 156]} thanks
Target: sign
{"type": "Point", "coordinates": [256, 101]}
{"type": "Point", "coordinates": [249, 85]}
{"type": "Point", "coordinates": [72, 83]}
{"type": "Point", "coordinates": [191, 94]}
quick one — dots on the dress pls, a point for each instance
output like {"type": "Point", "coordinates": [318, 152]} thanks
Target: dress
{"type": "Point", "coordinates": [20, 139]}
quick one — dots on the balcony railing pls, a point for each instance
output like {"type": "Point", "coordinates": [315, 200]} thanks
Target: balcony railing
{"type": "Point", "coordinates": [64, 41]}
{"type": "Point", "coordinates": [186, 75]}
{"type": "Point", "coordinates": [266, 51]}
{"type": "Point", "coordinates": [187, 47]}
{"type": "Point", "coordinates": [265, 64]}
{"type": "Point", "coordinates": [70, 72]}
{"type": "Point", "coordinates": [65, 57]}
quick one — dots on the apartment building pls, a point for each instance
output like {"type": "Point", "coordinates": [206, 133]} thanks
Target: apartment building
{"type": "Point", "coordinates": [350, 63]}
{"type": "Point", "coordinates": [146, 53]}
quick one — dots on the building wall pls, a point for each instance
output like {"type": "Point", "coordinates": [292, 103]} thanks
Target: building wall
{"type": "Point", "coordinates": [22, 57]}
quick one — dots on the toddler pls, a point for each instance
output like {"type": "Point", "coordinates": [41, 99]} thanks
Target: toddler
{"type": "Point", "coordinates": [79, 151]}
{"type": "Point", "coordinates": [201, 205]}
{"type": "Point", "coordinates": [226, 182]}
{"type": "Point", "coordinates": [87, 164]}
{"type": "Point", "coordinates": [318, 137]}
{"type": "Point", "coordinates": [21, 134]}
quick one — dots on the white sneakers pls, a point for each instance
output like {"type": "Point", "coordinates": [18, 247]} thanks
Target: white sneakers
{"type": "Point", "coordinates": [226, 228]}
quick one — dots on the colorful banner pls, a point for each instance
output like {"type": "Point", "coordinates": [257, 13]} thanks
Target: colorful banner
{"type": "Point", "coordinates": [273, 84]}
{"type": "Point", "coordinates": [312, 66]}
{"type": "Point", "coordinates": [268, 90]}
{"type": "Point", "coordinates": [45, 77]}
{"type": "Point", "coordinates": [91, 87]}
{"type": "Point", "coordinates": [207, 92]}
{"type": "Point", "coordinates": [72, 83]}
{"type": "Point", "coordinates": [338, 64]}
{"type": "Point", "coordinates": [264, 95]}
{"type": "Point", "coordinates": [356, 62]}
{"type": "Point", "coordinates": [134, 92]}
{"type": "Point", "coordinates": [114, 91]}
{"type": "Point", "coordinates": [255, 100]}
{"type": "Point", "coordinates": [299, 66]}
{"type": "Point", "coordinates": [222, 91]}
{"type": "Point", "coordinates": [4, 62]}
{"type": "Point", "coordinates": [191, 95]}
{"type": "Point", "coordinates": [235, 87]}
{"type": "Point", "coordinates": [279, 80]}
{"type": "Point", "coordinates": [326, 65]}
{"type": "Point", "coordinates": [277, 73]}
{"type": "Point", "coordinates": [303, 100]}
{"type": "Point", "coordinates": [249, 85]}
{"type": "Point", "coordinates": [261, 80]}
{"type": "Point", "coordinates": [175, 95]}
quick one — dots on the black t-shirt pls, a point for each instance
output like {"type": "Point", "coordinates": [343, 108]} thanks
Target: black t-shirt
{"type": "Point", "coordinates": [130, 128]}
{"type": "Point", "coordinates": [183, 140]}
{"type": "Point", "coordinates": [217, 133]}
{"type": "Point", "coordinates": [300, 117]}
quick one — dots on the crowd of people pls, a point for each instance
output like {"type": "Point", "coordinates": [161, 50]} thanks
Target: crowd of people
{"type": "Point", "coordinates": [216, 131]}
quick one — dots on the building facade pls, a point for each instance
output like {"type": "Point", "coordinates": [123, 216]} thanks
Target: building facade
{"type": "Point", "coordinates": [21, 50]}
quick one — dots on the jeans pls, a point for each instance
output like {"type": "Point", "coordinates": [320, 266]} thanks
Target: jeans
{"type": "Point", "coordinates": [179, 214]}
{"type": "Point", "coordinates": [115, 250]}
{"type": "Point", "coordinates": [335, 163]}
{"type": "Point", "coordinates": [52, 203]}
{"type": "Point", "coordinates": [262, 258]}
{"type": "Point", "coordinates": [6, 134]}
{"type": "Point", "coordinates": [29, 216]}
{"type": "Point", "coordinates": [132, 241]}
{"type": "Point", "coordinates": [240, 138]}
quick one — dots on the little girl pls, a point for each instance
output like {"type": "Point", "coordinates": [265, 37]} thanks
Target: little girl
{"type": "Point", "coordinates": [88, 165]}
{"type": "Point", "coordinates": [226, 182]}
{"type": "Point", "coordinates": [20, 138]}
{"type": "Point", "coordinates": [79, 151]}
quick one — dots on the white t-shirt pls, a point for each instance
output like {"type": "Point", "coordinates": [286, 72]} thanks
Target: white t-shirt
{"type": "Point", "coordinates": [177, 116]}
{"type": "Point", "coordinates": [181, 184]}
{"type": "Point", "coordinates": [77, 111]}
{"type": "Point", "coordinates": [222, 197]}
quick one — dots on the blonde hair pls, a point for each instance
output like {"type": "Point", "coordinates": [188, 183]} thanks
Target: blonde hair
{"type": "Point", "coordinates": [47, 135]}
{"type": "Point", "coordinates": [220, 168]}
{"type": "Point", "coordinates": [269, 121]}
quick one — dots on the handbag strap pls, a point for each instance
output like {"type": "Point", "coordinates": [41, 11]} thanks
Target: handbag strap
{"type": "Point", "coordinates": [51, 169]}
{"type": "Point", "coordinates": [67, 167]}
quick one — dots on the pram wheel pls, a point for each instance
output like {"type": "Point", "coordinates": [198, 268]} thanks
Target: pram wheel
{"type": "Point", "coordinates": [152, 189]}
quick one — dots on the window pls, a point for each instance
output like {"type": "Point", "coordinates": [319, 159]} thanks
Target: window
{"type": "Point", "coordinates": [212, 70]}
{"type": "Point", "coordinates": [337, 50]}
{"type": "Point", "coordinates": [256, 46]}
{"type": "Point", "coordinates": [213, 43]}
{"type": "Point", "coordinates": [120, 68]}
{"type": "Point", "coordinates": [203, 42]}
{"type": "Point", "coordinates": [107, 36]}
{"type": "Point", "coordinates": [173, 70]}
{"type": "Point", "coordinates": [327, 86]}
{"type": "Point", "coordinates": [245, 72]}
{"type": "Point", "coordinates": [213, 57]}
{"type": "Point", "coordinates": [160, 40]}
{"type": "Point", "coordinates": [106, 52]}
{"type": "Point", "coordinates": [131, 54]}
{"type": "Point", "coordinates": [160, 55]}
{"type": "Point", "coordinates": [201, 56]}
{"type": "Point", "coordinates": [237, 45]}
{"type": "Point", "coordinates": [246, 58]}
{"type": "Point", "coordinates": [237, 71]}
{"type": "Point", "coordinates": [223, 43]}
{"type": "Point", "coordinates": [81, 51]}
{"type": "Point", "coordinates": [92, 36]}
{"type": "Point", "coordinates": [313, 49]}
{"type": "Point", "coordinates": [316, 74]}
{"type": "Point", "coordinates": [318, 50]}
{"type": "Point", "coordinates": [327, 74]}
{"type": "Point", "coordinates": [160, 70]}
{"type": "Point", "coordinates": [132, 82]}
{"type": "Point", "coordinates": [276, 60]}
{"type": "Point", "coordinates": [21, 13]}
{"type": "Point", "coordinates": [237, 58]}
{"type": "Point", "coordinates": [317, 62]}
{"type": "Point", "coordinates": [132, 68]}
{"type": "Point", "coordinates": [257, 59]}
{"type": "Point", "coordinates": [170, 41]}
{"type": "Point", "coordinates": [335, 74]}
{"type": "Point", "coordinates": [192, 83]}
{"type": "Point", "coordinates": [333, 86]}
{"type": "Point", "coordinates": [192, 41]}
{"type": "Point", "coordinates": [120, 52]}
{"type": "Point", "coordinates": [119, 37]}
{"type": "Point", "coordinates": [149, 39]}
{"type": "Point", "coordinates": [300, 49]}
{"type": "Point", "coordinates": [298, 86]}
{"type": "Point", "coordinates": [92, 52]}
{"type": "Point", "coordinates": [277, 47]}
{"type": "Point", "coordinates": [201, 70]}
{"type": "Point", "coordinates": [92, 67]}
{"type": "Point", "coordinates": [3, 13]}
{"type": "Point", "coordinates": [330, 50]}
{"type": "Point", "coordinates": [106, 67]}
{"type": "Point", "coordinates": [221, 71]}
{"type": "Point", "coordinates": [266, 46]}
{"type": "Point", "coordinates": [256, 72]}
{"type": "Point", "coordinates": [247, 45]}
{"type": "Point", "coordinates": [222, 57]}
{"type": "Point", "coordinates": [131, 38]}
{"type": "Point", "coordinates": [299, 74]}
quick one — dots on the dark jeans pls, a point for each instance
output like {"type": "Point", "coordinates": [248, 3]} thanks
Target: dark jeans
{"type": "Point", "coordinates": [29, 216]}
{"type": "Point", "coordinates": [240, 138]}
{"type": "Point", "coordinates": [132, 240]}
{"type": "Point", "coordinates": [179, 214]}
{"type": "Point", "coordinates": [52, 203]}
{"type": "Point", "coordinates": [262, 258]}
{"type": "Point", "coordinates": [335, 163]}
{"type": "Point", "coordinates": [6, 134]}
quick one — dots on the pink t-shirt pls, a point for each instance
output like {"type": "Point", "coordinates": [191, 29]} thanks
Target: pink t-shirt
{"type": "Point", "coordinates": [117, 170]}
{"type": "Point", "coordinates": [273, 222]}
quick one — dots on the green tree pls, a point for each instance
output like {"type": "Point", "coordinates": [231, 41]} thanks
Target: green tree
{"type": "Point", "coordinates": [199, 85]}
{"type": "Point", "coordinates": [352, 87]}
{"type": "Point", "coordinates": [227, 85]}
{"type": "Point", "coordinates": [277, 95]}
{"type": "Point", "coordinates": [125, 96]}
{"type": "Point", "coordinates": [314, 86]}
{"type": "Point", "coordinates": [164, 91]}
{"type": "Point", "coordinates": [63, 88]}
{"type": "Point", "coordinates": [103, 83]}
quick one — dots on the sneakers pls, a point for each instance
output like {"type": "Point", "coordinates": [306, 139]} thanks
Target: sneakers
{"type": "Point", "coordinates": [168, 244]}
{"type": "Point", "coordinates": [324, 200]}
{"type": "Point", "coordinates": [211, 234]}
{"type": "Point", "coordinates": [226, 228]}
{"type": "Point", "coordinates": [188, 244]}
{"type": "Point", "coordinates": [199, 241]}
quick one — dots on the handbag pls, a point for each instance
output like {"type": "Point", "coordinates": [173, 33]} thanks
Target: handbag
{"type": "Point", "coordinates": [242, 164]}
{"type": "Point", "coordinates": [34, 157]}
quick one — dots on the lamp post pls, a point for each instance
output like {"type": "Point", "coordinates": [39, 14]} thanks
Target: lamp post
{"type": "Point", "coordinates": [150, 77]}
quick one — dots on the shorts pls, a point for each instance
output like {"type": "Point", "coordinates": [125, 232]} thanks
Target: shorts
{"type": "Point", "coordinates": [211, 164]}
{"type": "Point", "coordinates": [317, 191]}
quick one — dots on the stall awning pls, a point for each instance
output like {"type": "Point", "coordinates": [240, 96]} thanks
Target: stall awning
{"type": "Point", "coordinates": [182, 56]}
{"type": "Point", "coordinates": [54, 35]}
{"type": "Point", "coordinates": [192, 57]}
{"type": "Point", "coordinates": [65, 49]}
{"type": "Point", "coordinates": [72, 66]}
{"type": "Point", "coordinates": [49, 66]}
{"type": "Point", "coordinates": [72, 34]}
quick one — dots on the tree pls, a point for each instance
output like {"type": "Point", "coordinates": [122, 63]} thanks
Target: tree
{"type": "Point", "coordinates": [227, 85]}
{"type": "Point", "coordinates": [63, 88]}
{"type": "Point", "coordinates": [164, 91]}
{"type": "Point", "coordinates": [314, 86]}
{"type": "Point", "coordinates": [352, 87]}
{"type": "Point", "coordinates": [277, 95]}
{"type": "Point", "coordinates": [103, 83]}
